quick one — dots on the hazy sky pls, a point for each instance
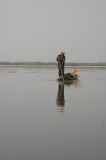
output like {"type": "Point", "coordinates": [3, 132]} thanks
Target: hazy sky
{"type": "Point", "coordinates": [37, 30]}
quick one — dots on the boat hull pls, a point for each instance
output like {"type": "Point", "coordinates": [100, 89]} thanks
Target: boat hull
{"type": "Point", "coordinates": [71, 76]}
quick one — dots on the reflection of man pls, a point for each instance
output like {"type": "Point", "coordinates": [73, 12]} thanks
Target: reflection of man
{"type": "Point", "coordinates": [60, 96]}
{"type": "Point", "coordinates": [60, 101]}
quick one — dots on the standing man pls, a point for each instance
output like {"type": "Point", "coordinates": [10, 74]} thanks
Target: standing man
{"type": "Point", "coordinates": [61, 62]}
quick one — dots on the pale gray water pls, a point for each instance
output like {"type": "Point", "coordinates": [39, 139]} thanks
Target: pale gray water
{"type": "Point", "coordinates": [40, 122]}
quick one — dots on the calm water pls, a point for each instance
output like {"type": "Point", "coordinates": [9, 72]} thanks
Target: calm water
{"type": "Point", "coordinates": [41, 119]}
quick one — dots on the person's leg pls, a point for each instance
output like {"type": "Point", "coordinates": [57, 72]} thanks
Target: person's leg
{"type": "Point", "coordinates": [59, 72]}
{"type": "Point", "coordinates": [63, 70]}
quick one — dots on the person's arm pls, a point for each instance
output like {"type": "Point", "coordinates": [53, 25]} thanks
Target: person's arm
{"type": "Point", "coordinates": [63, 62]}
{"type": "Point", "coordinates": [64, 59]}
{"type": "Point", "coordinates": [57, 59]}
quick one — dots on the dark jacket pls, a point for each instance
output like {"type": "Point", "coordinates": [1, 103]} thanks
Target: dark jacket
{"type": "Point", "coordinates": [60, 59]}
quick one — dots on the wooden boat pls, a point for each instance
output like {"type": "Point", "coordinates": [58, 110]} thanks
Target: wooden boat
{"type": "Point", "coordinates": [71, 76]}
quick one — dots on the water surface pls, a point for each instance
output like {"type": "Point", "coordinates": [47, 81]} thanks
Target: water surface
{"type": "Point", "coordinates": [43, 119]}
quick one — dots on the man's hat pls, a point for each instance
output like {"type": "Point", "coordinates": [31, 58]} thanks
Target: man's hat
{"type": "Point", "coordinates": [63, 52]}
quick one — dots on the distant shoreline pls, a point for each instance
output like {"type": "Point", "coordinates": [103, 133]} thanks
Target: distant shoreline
{"type": "Point", "coordinates": [52, 64]}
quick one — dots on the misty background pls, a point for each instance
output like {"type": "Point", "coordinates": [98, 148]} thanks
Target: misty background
{"type": "Point", "coordinates": [37, 30]}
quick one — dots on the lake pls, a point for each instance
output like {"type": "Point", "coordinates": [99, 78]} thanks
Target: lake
{"type": "Point", "coordinates": [42, 119]}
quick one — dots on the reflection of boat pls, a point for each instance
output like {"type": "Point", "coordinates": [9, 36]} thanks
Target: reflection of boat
{"type": "Point", "coordinates": [71, 76]}
{"type": "Point", "coordinates": [75, 83]}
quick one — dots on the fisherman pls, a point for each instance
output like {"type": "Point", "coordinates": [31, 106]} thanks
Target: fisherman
{"type": "Point", "coordinates": [61, 62]}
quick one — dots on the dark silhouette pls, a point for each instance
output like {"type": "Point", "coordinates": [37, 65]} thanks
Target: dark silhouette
{"type": "Point", "coordinates": [60, 96]}
{"type": "Point", "coordinates": [61, 62]}
{"type": "Point", "coordinates": [60, 101]}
